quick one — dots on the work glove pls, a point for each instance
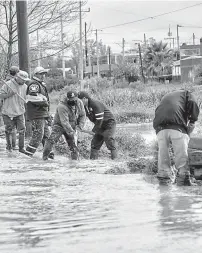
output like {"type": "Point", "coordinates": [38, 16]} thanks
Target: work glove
{"type": "Point", "coordinates": [190, 128]}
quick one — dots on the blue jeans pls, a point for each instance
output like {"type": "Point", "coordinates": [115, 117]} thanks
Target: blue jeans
{"type": "Point", "coordinates": [12, 123]}
{"type": "Point", "coordinates": [10, 130]}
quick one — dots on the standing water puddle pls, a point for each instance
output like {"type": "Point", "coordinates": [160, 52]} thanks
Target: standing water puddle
{"type": "Point", "coordinates": [74, 207]}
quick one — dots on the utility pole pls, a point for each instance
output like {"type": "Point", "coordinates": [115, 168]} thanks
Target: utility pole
{"type": "Point", "coordinates": [178, 38]}
{"type": "Point", "coordinates": [145, 41]}
{"type": "Point", "coordinates": [139, 47]}
{"type": "Point", "coordinates": [123, 49]}
{"type": "Point", "coordinates": [110, 67]}
{"type": "Point", "coordinates": [169, 37]}
{"type": "Point", "coordinates": [81, 47]}
{"type": "Point", "coordinates": [86, 46]}
{"type": "Point", "coordinates": [39, 49]}
{"type": "Point", "coordinates": [62, 47]}
{"type": "Point", "coordinates": [23, 37]}
{"type": "Point", "coordinates": [194, 39]}
{"type": "Point", "coordinates": [97, 52]}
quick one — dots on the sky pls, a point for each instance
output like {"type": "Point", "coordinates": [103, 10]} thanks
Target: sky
{"type": "Point", "coordinates": [106, 13]}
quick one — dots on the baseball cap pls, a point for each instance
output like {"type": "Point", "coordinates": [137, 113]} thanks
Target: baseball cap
{"type": "Point", "coordinates": [39, 70]}
{"type": "Point", "coordinates": [83, 94]}
{"type": "Point", "coordinates": [23, 75]}
{"type": "Point", "coordinates": [72, 94]}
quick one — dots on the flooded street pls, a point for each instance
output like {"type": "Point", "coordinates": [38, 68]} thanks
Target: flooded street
{"type": "Point", "coordinates": [63, 206]}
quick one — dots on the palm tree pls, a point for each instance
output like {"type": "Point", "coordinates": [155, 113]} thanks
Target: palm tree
{"type": "Point", "coordinates": [158, 60]}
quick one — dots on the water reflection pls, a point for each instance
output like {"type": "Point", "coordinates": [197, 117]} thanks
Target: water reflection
{"type": "Point", "coordinates": [62, 207]}
{"type": "Point", "coordinates": [181, 210]}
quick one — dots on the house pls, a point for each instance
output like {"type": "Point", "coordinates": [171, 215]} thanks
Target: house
{"type": "Point", "coordinates": [190, 56]}
{"type": "Point", "coordinates": [187, 66]}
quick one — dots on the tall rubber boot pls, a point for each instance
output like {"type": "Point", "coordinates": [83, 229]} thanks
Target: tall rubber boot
{"type": "Point", "coordinates": [75, 155]}
{"type": "Point", "coordinates": [113, 154]}
{"type": "Point", "coordinates": [14, 139]}
{"type": "Point", "coordinates": [8, 141]}
{"type": "Point", "coordinates": [21, 142]}
{"type": "Point", "coordinates": [184, 179]}
{"type": "Point", "coordinates": [94, 154]}
{"type": "Point", "coordinates": [51, 155]}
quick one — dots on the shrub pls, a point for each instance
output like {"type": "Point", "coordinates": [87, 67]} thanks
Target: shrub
{"type": "Point", "coordinates": [56, 83]}
{"type": "Point", "coordinates": [54, 72]}
{"type": "Point", "coordinates": [198, 80]}
{"type": "Point", "coordinates": [130, 145]}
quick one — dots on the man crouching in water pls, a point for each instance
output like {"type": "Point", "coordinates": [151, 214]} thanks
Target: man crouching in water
{"type": "Point", "coordinates": [70, 116]}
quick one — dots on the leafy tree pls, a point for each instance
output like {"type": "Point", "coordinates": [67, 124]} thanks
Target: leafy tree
{"type": "Point", "coordinates": [92, 47]}
{"type": "Point", "coordinates": [158, 59]}
{"type": "Point", "coordinates": [126, 70]}
{"type": "Point", "coordinates": [42, 15]}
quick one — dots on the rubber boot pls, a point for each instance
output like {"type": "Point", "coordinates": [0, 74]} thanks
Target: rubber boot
{"type": "Point", "coordinates": [47, 150]}
{"type": "Point", "coordinates": [51, 155]}
{"type": "Point", "coordinates": [164, 180]}
{"type": "Point", "coordinates": [75, 155]}
{"type": "Point", "coordinates": [94, 154]}
{"type": "Point", "coordinates": [184, 179]}
{"type": "Point", "coordinates": [113, 154]}
{"type": "Point", "coordinates": [8, 141]}
{"type": "Point", "coordinates": [21, 142]}
{"type": "Point", "coordinates": [14, 140]}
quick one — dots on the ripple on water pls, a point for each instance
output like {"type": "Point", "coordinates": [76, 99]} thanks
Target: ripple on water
{"type": "Point", "coordinates": [60, 206]}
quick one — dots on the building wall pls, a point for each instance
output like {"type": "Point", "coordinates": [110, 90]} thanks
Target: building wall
{"type": "Point", "coordinates": [187, 67]}
{"type": "Point", "coordinates": [190, 50]}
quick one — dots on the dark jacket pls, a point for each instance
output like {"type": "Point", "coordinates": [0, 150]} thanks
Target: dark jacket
{"type": "Point", "coordinates": [175, 111]}
{"type": "Point", "coordinates": [98, 113]}
{"type": "Point", "coordinates": [37, 109]}
{"type": "Point", "coordinates": [69, 117]}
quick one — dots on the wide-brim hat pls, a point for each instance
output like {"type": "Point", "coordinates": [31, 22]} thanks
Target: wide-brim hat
{"type": "Point", "coordinates": [23, 75]}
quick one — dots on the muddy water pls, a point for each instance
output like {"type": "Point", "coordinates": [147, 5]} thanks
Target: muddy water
{"type": "Point", "coordinates": [74, 207]}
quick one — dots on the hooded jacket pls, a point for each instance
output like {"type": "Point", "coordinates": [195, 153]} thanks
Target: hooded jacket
{"type": "Point", "coordinates": [69, 117]}
{"type": "Point", "coordinates": [175, 111]}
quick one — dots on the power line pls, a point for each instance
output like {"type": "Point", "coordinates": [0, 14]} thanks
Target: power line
{"type": "Point", "coordinates": [159, 15]}
{"type": "Point", "coordinates": [133, 13]}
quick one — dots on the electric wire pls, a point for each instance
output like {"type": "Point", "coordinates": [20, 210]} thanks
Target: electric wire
{"type": "Point", "coordinates": [152, 17]}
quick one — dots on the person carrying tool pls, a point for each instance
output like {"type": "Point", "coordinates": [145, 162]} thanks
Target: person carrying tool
{"type": "Point", "coordinates": [104, 125]}
{"type": "Point", "coordinates": [174, 121]}
{"type": "Point", "coordinates": [11, 74]}
{"type": "Point", "coordinates": [69, 117]}
{"type": "Point", "coordinates": [37, 111]}
{"type": "Point", "coordinates": [13, 92]}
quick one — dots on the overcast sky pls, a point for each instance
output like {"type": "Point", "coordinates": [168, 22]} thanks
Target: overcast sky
{"type": "Point", "coordinates": [108, 13]}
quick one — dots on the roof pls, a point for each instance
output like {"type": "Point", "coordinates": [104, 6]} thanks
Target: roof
{"type": "Point", "coordinates": [176, 63]}
{"type": "Point", "coordinates": [192, 57]}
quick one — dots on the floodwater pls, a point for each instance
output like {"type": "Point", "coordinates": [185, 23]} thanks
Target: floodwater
{"type": "Point", "coordinates": [144, 129]}
{"type": "Point", "coordinates": [73, 206]}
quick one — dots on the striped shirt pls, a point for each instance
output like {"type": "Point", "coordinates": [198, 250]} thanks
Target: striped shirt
{"type": "Point", "coordinates": [97, 112]}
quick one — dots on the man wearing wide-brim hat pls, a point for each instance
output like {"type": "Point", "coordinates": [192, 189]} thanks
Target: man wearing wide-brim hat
{"type": "Point", "coordinates": [10, 75]}
{"type": "Point", "coordinates": [13, 92]}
